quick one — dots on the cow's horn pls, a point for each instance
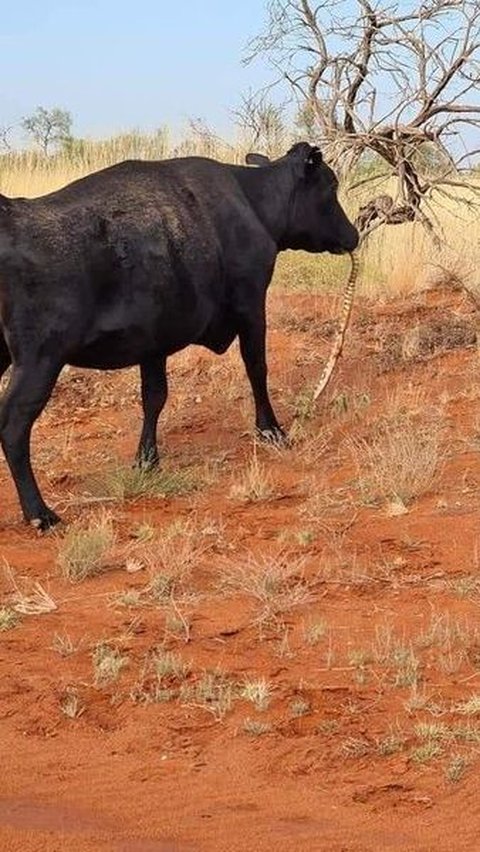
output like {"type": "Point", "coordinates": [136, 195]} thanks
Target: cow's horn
{"type": "Point", "coordinates": [344, 321]}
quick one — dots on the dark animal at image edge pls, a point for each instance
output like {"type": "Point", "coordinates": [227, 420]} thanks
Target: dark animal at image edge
{"type": "Point", "coordinates": [133, 263]}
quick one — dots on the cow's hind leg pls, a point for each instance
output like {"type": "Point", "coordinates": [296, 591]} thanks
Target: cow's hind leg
{"type": "Point", "coordinates": [252, 346]}
{"type": "Point", "coordinates": [154, 396]}
{"type": "Point", "coordinates": [27, 393]}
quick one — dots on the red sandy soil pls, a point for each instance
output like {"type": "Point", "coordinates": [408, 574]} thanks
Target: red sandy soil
{"type": "Point", "coordinates": [340, 765]}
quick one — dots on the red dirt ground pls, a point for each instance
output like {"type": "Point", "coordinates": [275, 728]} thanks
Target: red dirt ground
{"type": "Point", "coordinates": [392, 593]}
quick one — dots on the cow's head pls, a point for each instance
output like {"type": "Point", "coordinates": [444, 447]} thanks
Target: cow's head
{"type": "Point", "coordinates": [315, 221]}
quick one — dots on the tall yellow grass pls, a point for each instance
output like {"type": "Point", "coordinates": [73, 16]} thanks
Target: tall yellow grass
{"type": "Point", "coordinates": [395, 260]}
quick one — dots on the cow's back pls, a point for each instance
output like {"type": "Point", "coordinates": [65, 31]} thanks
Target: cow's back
{"type": "Point", "coordinates": [125, 259]}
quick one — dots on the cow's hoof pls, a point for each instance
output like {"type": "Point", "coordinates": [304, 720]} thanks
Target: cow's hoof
{"type": "Point", "coordinates": [147, 464]}
{"type": "Point", "coordinates": [45, 520]}
{"type": "Point", "coordinates": [276, 437]}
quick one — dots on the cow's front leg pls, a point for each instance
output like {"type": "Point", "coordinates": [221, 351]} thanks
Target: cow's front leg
{"type": "Point", "coordinates": [154, 396]}
{"type": "Point", "coordinates": [252, 346]}
{"type": "Point", "coordinates": [27, 393]}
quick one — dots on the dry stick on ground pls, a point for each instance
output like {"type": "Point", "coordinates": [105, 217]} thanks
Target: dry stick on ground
{"type": "Point", "coordinates": [32, 602]}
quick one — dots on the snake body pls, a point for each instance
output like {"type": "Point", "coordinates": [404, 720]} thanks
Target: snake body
{"type": "Point", "coordinates": [344, 321]}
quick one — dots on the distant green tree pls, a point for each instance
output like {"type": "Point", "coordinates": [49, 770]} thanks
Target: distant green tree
{"type": "Point", "coordinates": [48, 127]}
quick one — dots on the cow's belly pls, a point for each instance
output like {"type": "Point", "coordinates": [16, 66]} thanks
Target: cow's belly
{"type": "Point", "coordinates": [120, 342]}
{"type": "Point", "coordinates": [219, 333]}
{"type": "Point", "coordinates": [113, 351]}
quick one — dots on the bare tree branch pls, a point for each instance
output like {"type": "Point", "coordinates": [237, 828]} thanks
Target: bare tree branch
{"type": "Point", "coordinates": [396, 82]}
{"type": "Point", "coordinates": [263, 122]}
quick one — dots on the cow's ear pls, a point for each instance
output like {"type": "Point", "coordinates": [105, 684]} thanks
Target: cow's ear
{"type": "Point", "coordinates": [257, 160]}
{"type": "Point", "coordinates": [314, 157]}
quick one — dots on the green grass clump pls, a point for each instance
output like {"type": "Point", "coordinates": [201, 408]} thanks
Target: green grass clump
{"type": "Point", "coordinates": [129, 482]}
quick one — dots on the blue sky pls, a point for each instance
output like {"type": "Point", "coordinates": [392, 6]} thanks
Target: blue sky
{"type": "Point", "coordinates": [117, 65]}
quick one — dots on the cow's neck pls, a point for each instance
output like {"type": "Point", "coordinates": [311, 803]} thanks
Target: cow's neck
{"type": "Point", "coordinates": [270, 192]}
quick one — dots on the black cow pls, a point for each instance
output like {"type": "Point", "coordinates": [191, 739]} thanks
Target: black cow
{"type": "Point", "coordinates": [137, 261]}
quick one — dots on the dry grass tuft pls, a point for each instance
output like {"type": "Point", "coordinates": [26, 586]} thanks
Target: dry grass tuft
{"type": "Point", "coordinates": [456, 768]}
{"type": "Point", "coordinates": [392, 743]}
{"type": "Point", "coordinates": [167, 664]}
{"type": "Point", "coordinates": [254, 483]}
{"type": "Point", "coordinates": [470, 707]}
{"type": "Point", "coordinates": [432, 731]}
{"type": "Point", "coordinates": [63, 645]}
{"type": "Point", "coordinates": [405, 400]}
{"type": "Point", "coordinates": [34, 602]}
{"type": "Point", "coordinates": [129, 482]}
{"type": "Point", "coordinates": [171, 560]}
{"type": "Point", "coordinates": [397, 656]}
{"type": "Point", "coordinates": [259, 692]}
{"type": "Point", "coordinates": [299, 707]}
{"type": "Point", "coordinates": [400, 462]}
{"type": "Point", "coordinates": [426, 752]}
{"type": "Point", "coordinates": [83, 551]}
{"type": "Point", "coordinates": [71, 705]}
{"type": "Point", "coordinates": [326, 506]}
{"type": "Point", "coordinates": [127, 598]}
{"type": "Point", "coordinates": [143, 532]}
{"type": "Point", "coordinates": [356, 747]}
{"type": "Point", "coordinates": [29, 598]}
{"type": "Point", "coordinates": [310, 448]}
{"type": "Point", "coordinates": [255, 728]}
{"type": "Point", "coordinates": [162, 677]}
{"type": "Point", "coordinates": [315, 631]}
{"type": "Point", "coordinates": [179, 549]}
{"type": "Point", "coordinates": [278, 585]}
{"type": "Point", "coordinates": [214, 692]}
{"type": "Point", "coordinates": [8, 618]}
{"type": "Point", "coordinates": [107, 664]}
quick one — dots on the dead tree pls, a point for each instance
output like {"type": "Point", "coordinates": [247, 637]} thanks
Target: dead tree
{"type": "Point", "coordinates": [393, 83]}
{"type": "Point", "coordinates": [263, 122]}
